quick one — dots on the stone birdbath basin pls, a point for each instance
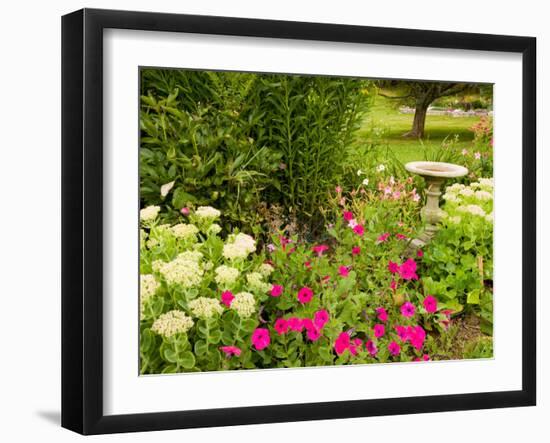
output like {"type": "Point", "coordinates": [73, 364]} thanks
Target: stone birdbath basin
{"type": "Point", "coordinates": [435, 174]}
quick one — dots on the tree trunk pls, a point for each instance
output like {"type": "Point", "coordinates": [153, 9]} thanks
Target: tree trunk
{"type": "Point", "coordinates": [419, 120]}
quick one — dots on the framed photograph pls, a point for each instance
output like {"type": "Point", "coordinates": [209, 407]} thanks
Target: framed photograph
{"type": "Point", "coordinates": [268, 221]}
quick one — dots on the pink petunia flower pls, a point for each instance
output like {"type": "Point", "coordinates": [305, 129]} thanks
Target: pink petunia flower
{"type": "Point", "coordinates": [356, 250]}
{"type": "Point", "coordinates": [321, 318]}
{"type": "Point", "coordinates": [382, 314]}
{"type": "Point", "coordinates": [383, 237]}
{"type": "Point", "coordinates": [319, 249]}
{"type": "Point", "coordinates": [371, 348]}
{"type": "Point", "coordinates": [394, 348]}
{"type": "Point", "coordinates": [260, 338]}
{"type": "Point", "coordinates": [355, 346]}
{"type": "Point", "coordinates": [393, 285]}
{"type": "Point", "coordinates": [227, 298]}
{"type": "Point", "coordinates": [342, 343]}
{"type": "Point", "coordinates": [401, 237]}
{"type": "Point", "coordinates": [313, 334]}
{"type": "Point", "coordinates": [379, 330]}
{"type": "Point", "coordinates": [281, 326]}
{"type": "Point", "coordinates": [402, 333]}
{"type": "Point", "coordinates": [352, 223]}
{"type": "Point", "coordinates": [419, 253]}
{"type": "Point", "coordinates": [430, 304]}
{"type": "Point", "coordinates": [359, 230]}
{"type": "Point", "coordinates": [271, 247]}
{"type": "Point", "coordinates": [407, 309]}
{"type": "Point", "coordinates": [343, 271]}
{"type": "Point", "coordinates": [417, 335]}
{"type": "Point", "coordinates": [305, 295]}
{"type": "Point", "coordinates": [307, 323]}
{"type": "Point", "coordinates": [295, 324]}
{"type": "Point", "coordinates": [230, 350]}
{"type": "Point", "coordinates": [185, 211]}
{"type": "Point", "coordinates": [348, 216]}
{"type": "Point", "coordinates": [276, 291]}
{"type": "Point", "coordinates": [338, 190]}
{"type": "Point", "coordinates": [393, 267]}
{"type": "Point", "coordinates": [407, 270]}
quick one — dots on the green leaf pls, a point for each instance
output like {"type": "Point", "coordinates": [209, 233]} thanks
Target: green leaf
{"type": "Point", "coordinates": [187, 360]}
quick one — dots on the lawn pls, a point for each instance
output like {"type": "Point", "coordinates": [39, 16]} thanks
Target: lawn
{"type": "Point", "coordinates": [385, 116]}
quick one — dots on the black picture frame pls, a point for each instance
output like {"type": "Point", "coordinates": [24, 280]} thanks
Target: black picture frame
{"type": "Point", "coordinates": [82, 232]}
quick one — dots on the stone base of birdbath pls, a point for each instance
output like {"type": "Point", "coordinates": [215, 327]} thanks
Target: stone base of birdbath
{"type": "Point", "coordinates": [435, 174]}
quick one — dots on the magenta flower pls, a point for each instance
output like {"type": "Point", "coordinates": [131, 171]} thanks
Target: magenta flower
{"type": "Point", "coordinates": [379, 330]}
{"type": "Point", "coordinates": [313, 334]}
{"type": "Point", "coordinates": [342, 343]}
{"type": "Point", "coordinates": [230, 351]}
{"type": "Point", "coordinates": [343, 271]}
{"type": "Point", "coordinates": [276, 291]}
{"type": "Point", "coordinates": [307, 323]}
{"type": "Point", "coordinates": [407, 270]}
{"type": "Point", "coordinates": [430, 304]}
{"type": "Point", "coordinates": [320, 318]}
{"type": "Point", "coordinates": [401, 237]}
{"type": "Point", "coordinates": [382, 314]}
{"type": "Point", "coordinates": [307, 264]}
{"type": "Point", "coordinates": [383, 237]}
{"type": "Point", "coordinates": [402, 333]}
{"type": "Point", "coordinates": [260, 338]}
{"type": "Point", "coordinates": [359, 230]}
{"type": "Point", "coordinates": [417, 335]}
{"type": "Point", "coordinates": [419, 253]}
{"type": "Point", "coordinates": [305, 295]}
{"type": "Point", "coordinates": [356, 250]}
{"type": "Point", "coordinates": [348, 216]}
{"type": "Point", "coordinates": [295, 324]}
{"type": "Point", "coordinates": [227, 298]}
{"type": "Point", "coordinates": [407, 309]}
{"type": "Point", "coordinates": [393, 285]}
{"type": "Point", "coordinates": [394, 348]}
{"type": "Point", "coordinates": [371, 348]}
{"type": "Point", "coordinates": [393, 267]}
{"type": "Point", "coordinates": [185, 211]}
{"type": "Point", "coordinates": [281, 326]}
{"type": "Point", "coordinates": [355, 346]}
{"type": "Point", "coordinates": [319, 249]}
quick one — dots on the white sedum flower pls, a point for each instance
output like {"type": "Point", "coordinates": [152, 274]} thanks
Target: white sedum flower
{"type": "Point", "coordinates": [265, 269]}
{"type": "Point", "coordinates": [171, 323]}
{"type": "Point", "coordinates": [149, 213]}
{"type": "Point", "coordinates": [214, 229]}
{"type": "Point", "coordinates": [183, 270]}
{"type": "Point", "coordinates": [205, 307]}
{"type": "Point", "coordinates": [239, 246]}
{"type": "Point", "coordinates": [244, 303]}
{"type": "Point", "coordinates": [449, 196]}
{"type": "Point", "coordinates": [185, 231]}
{"type": "Point", "coordinates": [483, 195]}
{"type": "Point", "coordinates": [147, 288]}
{"type": "Point", "coordinates": [226, 275]}
{"type": "Point", "coordinates": [207, 212]}
{"type": "Point", "coordinates": [366, 182]}
{"type": "Point", "coordinates": [472, 209]}
{"type": "Point", "coordinates": [490, 217]}
{"type": "Point", "coordinates": [466, 192]}
{"type": "Point", "coordinates": [256, 282]}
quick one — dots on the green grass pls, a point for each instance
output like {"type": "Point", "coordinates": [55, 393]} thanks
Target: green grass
{"type": "Point", "coordinates": [385, 116]}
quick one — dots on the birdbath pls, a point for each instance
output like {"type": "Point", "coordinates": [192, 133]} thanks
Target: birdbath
{"type": "Point", "coordinates": [435, 174]}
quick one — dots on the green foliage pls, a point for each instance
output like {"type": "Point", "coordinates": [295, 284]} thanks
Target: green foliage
{"type": "Point", "coordinates": [460, 259]}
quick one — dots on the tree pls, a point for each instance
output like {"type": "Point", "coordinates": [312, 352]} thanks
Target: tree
{"type": "Point", "coordinates": [421, 95]}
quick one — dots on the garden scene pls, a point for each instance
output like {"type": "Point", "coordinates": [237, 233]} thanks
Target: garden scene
{"type": "Point", "coordinates": [295, 221]}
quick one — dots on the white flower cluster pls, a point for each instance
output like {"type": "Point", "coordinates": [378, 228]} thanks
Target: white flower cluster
{"type": "Point", "coordinates": [239, 246]}
{"type": "Point", "coordinates": [472, 209]}
{"type": "Point", "coordinates": [207, 212]}
{"type": "Point", "coordinates": [244, 303]}
{"type": "Point", "coordinates": [149, 213]}
{"type": "Point", "coordinates": [214, 229]}
{"type": "Point", "coordinates": [142, 238]}
{"type": "Point", "coordinates": [147, 288]}
{"type": "Point", "coordinates": [184, 270]}
{"type": "Point", "coordinates": [171, 323]}
{"type": "Point", "coordinates": [256, 282]}
{"type": "Point", "coordinates": [205, 307]}
{"type": "Point", "coordinates": [483, 195]}
{"type": "Point", "coordinates": [226, 275]}
{"type": "Point", "coordinates": [185, 231]}
{"type": "Point", "coordinates": [265, 269]}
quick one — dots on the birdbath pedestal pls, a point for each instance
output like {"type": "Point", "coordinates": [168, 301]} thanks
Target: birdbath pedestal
{"type": "Point", "coordinates": [435, 174]}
